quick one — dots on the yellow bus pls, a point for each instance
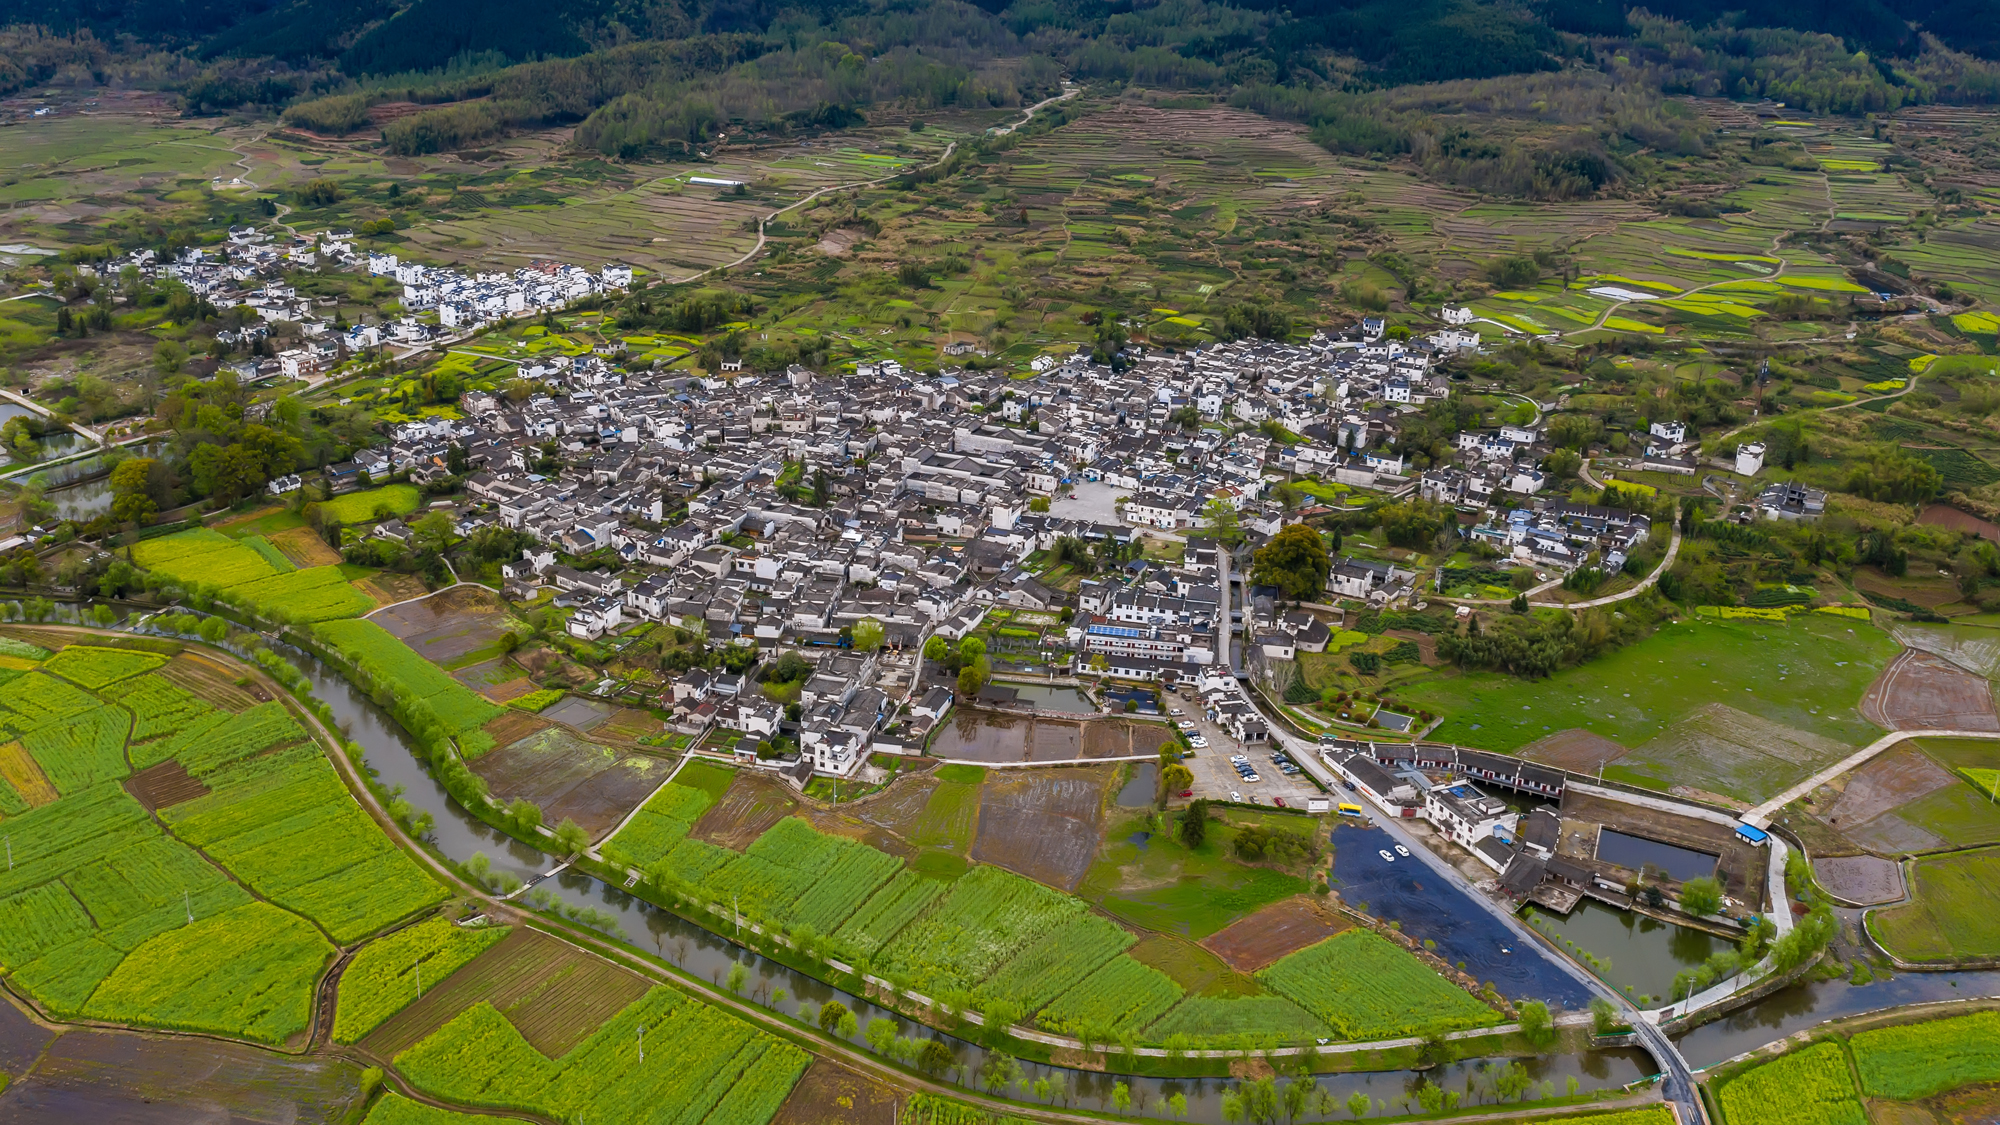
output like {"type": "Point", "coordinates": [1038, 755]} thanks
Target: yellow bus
{"type": "Point", "coordinates": [1349, 810]}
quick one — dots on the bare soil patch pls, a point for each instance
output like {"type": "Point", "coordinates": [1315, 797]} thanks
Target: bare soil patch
{"type": "Point", "coordinates": [750, 806]}
{"type": "Point", "coordinates": [164, 785]}
{"type": "Point", "coordinates": [1887, 783]}
{"type": "Point", "coordinates": [831, 1094]}
{"type": "Point", "coordinates": [512, 970]}
{"type": "Point", "coordinates": [442, 628]}
{"type": "Point", "coordinates": [513, 726]}
{"type": "Point", "coordinates": [1043, 823]}
{"type": "Point", "coordinates": [118, 1078]}
{"type": "Point", "coordinates": [213, 682]}
{"type": "Point", "coordinates": [1123, 738]}
{"type": "Point", "coordinates": [838, 242]}
{"type": "Point", "coordinates": [1944, 515]}
{"type": "Point", "coordinates": [1077, 1060]}
{"type": "Point", "coordinates": [1927, 592]}
{"type": "Point", "coordinates": [581, 713]}
{"type": "Point", "coordinates": [1250, 943]}
{"type": "Point", "coordinates": [630, 724]}
{"type": "Point", "coordinates": [900, 808]}
{"type": "Point", "coordinates": [1921, 691]}
{"type": "Point", "coordinates": [304, 548]}
{"type": "Point", "coordinates": [388, 588]}
{"type": "Point", "coordinates": [1863, 879]}
{"type": "Point", "coordinates": [1576, 750]}
{"type": "Point", "coordinates": [569, 778]}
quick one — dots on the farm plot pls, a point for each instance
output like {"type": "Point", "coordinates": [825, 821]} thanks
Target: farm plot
{"type": "Point", "coordinates": [159, 706]}
{"type": "Point", "coordinates": [387, 974]}
{"type": "Point", "coordinates": [247, 972]}
{"type": "Point", "coordinates": [700, 1064]}
{"type": "Point", "coordinates": [95, 668]}
{"type": "Point", "coordinates": [900, 901]}
{"type": "Point", "coordinates": [1580, 751]}
{"type": "Point", "coordinates": [1921, 1059]}
{"type": "Point", "coordinates": [1121, 997]}
{"type": "Point", "coordinates": [1809, 1087]}
{"type": "Point", "coordinates": [987, 917]}
{"type": "Point", "coordinates": [386, 502]}
{"type": "Point", "coordinates": [1869, 809]}
{"type": "Point", "coordinates": [1368, 988]}
{"type": "Point", "coordinates": [1253, 942]}
{"type": "Point", "coordinates": [449, 625]}
{"type": "Point", "coordinates": [571, 779]}
{"type": "Point", "coordinates": [747, 810]}
{"type": "Point", "coordinates": [164, 786]}
{"type": "Point", "coordinates": [116, 1078]}
{"type": "Point", "coordinates": [797, 876]}
{"type": "Point", "coordinates": [1954, 909]}
{"type": "Point", "coordinates": [662, 822]}
{"type": "Point", "coordinates": [418, 685]}
{"type": "Point", "coordinates": [1720, 749]}
{"type": "Point", "coordinates": [395, 1109]}
{"type": "Point", "coordinates": [245, 575]}
{"type": "Point", "coordinates": [81, 752]}
{"type": "Point", "coordinates": [1224, 1021]}
{"type": "Point", "coordinates": [831, 1094]}
{"type": "Point", "coordinates": [501, 975]}
{"type": "Point", "coordinates": [1044, 824]}
{"type": "Point", "coordinates": [1921, 691]}
{"type": "Point", "coordinates": [210, 682]}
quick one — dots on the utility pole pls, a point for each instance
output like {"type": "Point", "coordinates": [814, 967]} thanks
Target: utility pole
{"type": "Point", "coordinates": [642, 1042]}
{"type": "Point", "coordinates": [186, 901]}
{"type": "Point", "coordinates": [418, 967]}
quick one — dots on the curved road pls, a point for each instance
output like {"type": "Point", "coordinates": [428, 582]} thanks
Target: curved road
{"type": "Point", "coordinates": [1673, 550]}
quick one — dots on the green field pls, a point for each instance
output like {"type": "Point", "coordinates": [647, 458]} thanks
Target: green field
{"type": "Point", "coordinates": [261, 581]}
{"type": "Point", "coordinates": [1920, 1059]}
{"type": "Point", "coordinates": [1952, 911]}
{"type": "Point", "coordinates": [112, 913]}
{"type": "Point", "coordinates": [419, 686]}
{"type": "Point", "coordinates": [388, 973]}
{"type": "Point", "coordinates": [371, 504]}
{"type": "Point", "coordinates": [659, 824]}
{"type": "Point", "coordinates": [1367, 988]}
{"type": "Point", "coordinates": [700, 1064]}
{"type": "Point", "coordinates": [1169, 889]}
{"type": "Point", "coordinates": [1807, 1087]}
{"type": "Point", "coordinates": [395, 1109]}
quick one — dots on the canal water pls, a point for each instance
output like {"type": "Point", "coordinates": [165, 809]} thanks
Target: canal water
{"type": "Point", "coordinates": [1397, 887]}
{"type": "Point", "coordinates": [1637, 954]}
{"type": "Point", "coordinates": [1143, 788]}
{"type": "Point", "coordinates": [709, 956]}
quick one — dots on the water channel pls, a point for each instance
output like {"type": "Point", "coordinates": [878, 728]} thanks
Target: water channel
{"type": "Point", "coordinates": [458, 834]}
{"type": "Point", "coordinates": [1638, 954]}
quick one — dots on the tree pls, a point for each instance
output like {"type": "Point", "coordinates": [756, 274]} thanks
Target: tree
{"type": "Point", "coordinates": [1175, 778]}
{"type": "Point", "coordinates": [1519, 604]}
{"type": "Point", "coordinates": [971, 648]}
{"type": "Point", "coordinates": [1177, 1105]}
{"type": "Point", "coordinates": [1603, 1015]}
{"type": "Point", "coordinates": [881, 1035]}
{"type": "Point", "coordinates": [973, 677]}
{"type": "Point", "coordinates": [1038, 504]}
{"type": "Point", "coordinates": [933, 1058]}
{"type": "Point", "coordinates": [1218, 521]}
{"type": "Point", "coordinates": [433, 531]}
{"type": "Point", "coordinates": [1701, 896]}
{"type": "Point", "coordinates": [1295, 561]}
{"type": "Point", "coordinates": [1121, 1097]}
{"type": "Point", "coordinates": [829, 1015]}
{"type": "Point", "coordinates": [868, 633]}
{"type": "Point", "coordinates": [1358, 1104]}
{"type": "Point", "coordinates": [936, 648]}
{"type": "Point", "coordinates": [1194, 824]}
{"type": "Point", "coordinates": [571, 837]}
{"type": "Point", "coordinates": [737, 975]}
{"type": "Point", "coordinates": [1535, 1022]}
{"type": "Point", "coordinates": [999, 1071]}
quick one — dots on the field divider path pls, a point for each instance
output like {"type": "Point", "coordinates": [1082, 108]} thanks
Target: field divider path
{"type": "Point", "coordinates": [1762, 814]}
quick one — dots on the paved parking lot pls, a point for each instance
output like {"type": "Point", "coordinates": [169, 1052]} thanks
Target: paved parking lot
{"type": "Point", "coordinates": [1216, 779]}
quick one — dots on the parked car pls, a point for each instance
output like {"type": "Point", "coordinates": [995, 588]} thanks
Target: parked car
{"type": "Point", "coordinates": [1235, 796]}
{"type": "Point", "coordinates": [1278, 801]}
{"type": "Point", "coordinates": [1185, 724]}
{"type": "Point", "coordinates": [1175, 712]}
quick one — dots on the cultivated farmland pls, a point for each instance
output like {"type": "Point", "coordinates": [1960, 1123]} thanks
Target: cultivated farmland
{"type": "Point", "coordinates": [386, 976]}
{"type": "Point", "coordinates": [1917, 1060]}
{"type": "Point", "coordinates": [1808, 1087]}
{"type": "Point", "coordinates": [1367, 988]}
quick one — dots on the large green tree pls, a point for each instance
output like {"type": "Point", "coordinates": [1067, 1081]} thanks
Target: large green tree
{"type": "Point", "coordinates": [1295, 561]}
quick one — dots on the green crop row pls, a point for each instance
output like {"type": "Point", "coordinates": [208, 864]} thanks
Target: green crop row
{"type": "Point", "coordinates": [1121, 997]}
{"type": "Point", "coordinates": [270, 553]}
{"type": "Point", "coordinates": [1921, 1059]}
{"type": "Point", "coordinates": [82, 752]}
{"type": "Point", "coordinates": [1367, 988]}
{"type": "Point", "coordinates": [386, 976]}
{"type": "Point", "coordinates": [203, 557]}
{"type": "Point", "coordinates": [793, 875]}
{"type": "Point", "coordinates": [659, 824]}
{"type": "Point", "coordinates": [929, 1109]}
{"type": "Point", "coordinates": [1054, 963]}
{"type": "Point", "coordinates": [893, 907]}
{"type": "Point", "coordinates": [1236, 1020]}
{"type": "Point", "coordinates": [395, 1109]}
{"type": "Point", "coordinates": [94, 668]}
{"type": "Point", "coordinates": [987, 917]}
{"type": "Point", "coordinates": [320, 593]}
{"type": "Point", "coordinates": [1809, 1087]}
{"type": "Point", "coordinates": [222, 738]}
{"type": "Point", "coordinates": [159, 706]}
{"type": "Point", "coordinates": [699, 1064]}
{"type": "Point", "coordinates": [36, 699]}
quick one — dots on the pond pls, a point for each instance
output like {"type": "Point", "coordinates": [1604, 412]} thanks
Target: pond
{"type": "Point", "coordinates": [1639, 853]}
{"type": "Point", "coordinates": [1429, 908]}
{"type": "Point", "coordinates": [1638, 954]}
{"type": "Point", "coordinates": [1048, 697]}
{"type": "Point", "coordinates": [709, 956]}
{"type": "Point", "coordinates": [1143, 787]}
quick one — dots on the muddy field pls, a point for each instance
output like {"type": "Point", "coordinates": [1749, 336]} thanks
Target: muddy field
{"type": "Point", "coordinates": [752, 804]}
{"type": "Point", "coordinates": [1576, 750]}
{"type": "Point", "coordinates": [1249, 944]}
{"type": "Point", "coordinates": [581, 713]}
{"type": "Point", "coordinates": [1862, 879]}
{"type": "Point", "coordinates": [901, 808]}
{"type": "Point", "coordinates": [510, 727]}
{"type": "Point", "coordinates": [571, 779]}
{"type": "Point", "coordinates": [1922, 691]}
{"type": "Point", "coordinates": [212, 682]}
{"type": "Point", "coordinates": [629, 724]}
{"type": "Point", "coordinates": [1860, 812]}
{"type": "Point", "coordinates": [458, 621]}
{"type": "Point", "coordinates": [119, 1078]}
{"type": "Point", "coordinates": [830, 1094]}
{"type": "Point", "coordinates": [164, 786]}
{"type": "Point", "coordinates": [1733, 755]}
{"type": "Point", "coordinates": [1970, 647]}
{"type": "Point", "coordinates": [992, 736]}
{"type": "Point", "coordinates": [1043, 823]}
